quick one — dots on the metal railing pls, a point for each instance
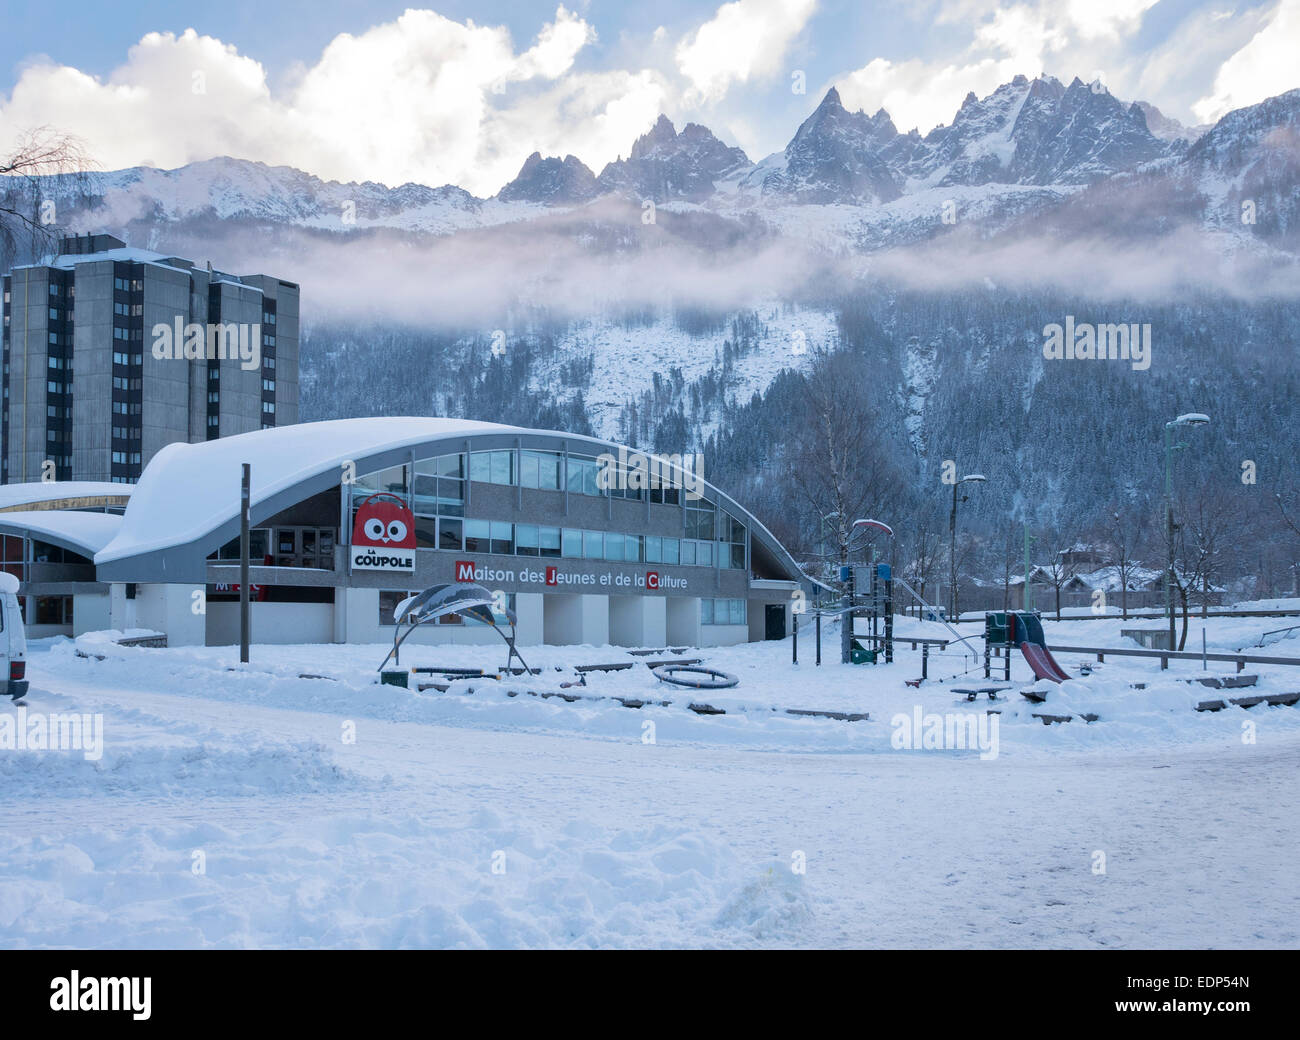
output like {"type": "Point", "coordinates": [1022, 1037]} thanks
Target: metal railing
{"type": "Point", "coordinates": [1241, 660]}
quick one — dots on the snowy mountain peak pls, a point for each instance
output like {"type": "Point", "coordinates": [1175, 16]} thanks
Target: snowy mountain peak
{"type": "Point", "coordinates": [665, 165]}
{"type": "Point", "coordinates": [551, 181]}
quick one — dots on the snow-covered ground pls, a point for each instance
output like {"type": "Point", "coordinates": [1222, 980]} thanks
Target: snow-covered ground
{"type": "Point", "coordinates": [248, 806]}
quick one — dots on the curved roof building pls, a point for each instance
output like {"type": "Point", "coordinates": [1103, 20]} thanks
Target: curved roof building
{"type": "Point", "coordinates": [588, 541]}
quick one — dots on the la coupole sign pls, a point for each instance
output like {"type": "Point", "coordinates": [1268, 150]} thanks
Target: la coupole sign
{"type": "Point", "coordinates": [383, 535]}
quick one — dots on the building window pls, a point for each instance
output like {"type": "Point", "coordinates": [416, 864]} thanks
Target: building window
{"type": "Point", "coordinates": [583, 476]}
{"type": "Point", "coordinates": [722, 612]}
{"type": "Point", "coordinates": [53, 610]}
{"type": "Point", "coordinates": [540, 469]}
{"type": "Point", "coordinates": [492, 467]}
{"type": "Point", "coordinates": [572, 544]}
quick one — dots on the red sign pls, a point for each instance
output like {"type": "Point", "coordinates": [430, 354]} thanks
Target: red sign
{"type": "Point", "coordinates": [551, 572]}
{"type": "Point", "coordinates": [257, 592]}
{"type": "Point", "coordinates": [383, 535]}
{"type": "Point", "coordinates": [651, 579]}
{"type": "Point", "coordinates": [464, 570]}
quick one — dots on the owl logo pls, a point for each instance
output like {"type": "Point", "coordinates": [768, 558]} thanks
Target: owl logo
{"type": "Point", "coordinates": [382, 524]}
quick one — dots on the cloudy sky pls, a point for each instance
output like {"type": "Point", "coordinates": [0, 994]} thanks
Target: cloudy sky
{"type": "Point", "coordinates": [461, 93]}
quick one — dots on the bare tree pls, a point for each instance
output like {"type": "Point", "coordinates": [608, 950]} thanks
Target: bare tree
{"type": "Point", "coordinates": [1123, 534]}
{"type": "Point", "coordinates": [1207, 530]}
{"type": "Point", "coordinates": [925, 552]}
{"type": "Point", "coordinates": [1059, 570]}
{"type": "Point", "coordinates": [27, 217]}
{"type": "Point", "coordinates": [838, 471]}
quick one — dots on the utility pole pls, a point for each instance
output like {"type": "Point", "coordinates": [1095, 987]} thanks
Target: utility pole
{"type": "Point", "coordinates": [1190, 419]}
{"type": "Point", "coordinates": [243, 565]}
{"type": "Point", "coordinates": [973, 478]}
{"type": "Point", "coordinates": [1028, 603]}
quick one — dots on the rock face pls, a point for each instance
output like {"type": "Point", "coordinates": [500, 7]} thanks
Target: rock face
{"type": "Point", "coordinates": [1167, 129]}
{"type": "Point", "coordinates": [1037, 132]}
{"type": "Point", "coordinates": [1247, 168]}
{"type": "Point", "coordinates": [836, 156]}
{"type": "Point", "coordinates": [665, 165]}
{"type": "Point", "coordinates": [551, 181]}
{"type": "Point", "coordinates": [1026, 132]}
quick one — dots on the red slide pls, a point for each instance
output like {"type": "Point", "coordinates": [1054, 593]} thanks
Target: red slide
{"type": "Point", "coordinates": [1043, 663]}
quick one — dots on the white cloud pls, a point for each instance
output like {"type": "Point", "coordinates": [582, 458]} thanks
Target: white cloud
{"type": "Point", "coordinates": [1262, 68]}
{"type": "Point", "coordinates": [423, 98]}
{"type": "Point", "coordinates": [745, 39]}
{"type": "Point", "coordinates": [1066, 37]}
{"type": "Point", "coordinates": [920, 95]}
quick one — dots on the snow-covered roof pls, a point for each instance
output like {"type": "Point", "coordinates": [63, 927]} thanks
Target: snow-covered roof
{"type": "Point", "coordinates": [186, 502]}
{"type": "Point", "coordinates": [82, 532]}
{"type": "Point", "coordinates": [126, 254]}
{"type": "Point", "coordinates": [187, 490]}
{"type": "Point", "coordinates": [53, 494]}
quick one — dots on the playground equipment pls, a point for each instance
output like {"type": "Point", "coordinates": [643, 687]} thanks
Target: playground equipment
{"type": "Point", "coordinates": [706, 678]}
{"type": "Point", "coordinates": [878, 605]}
{"type": "Point", "coordinates": [464, 598]}
{"type": "Point", "coordinates": [1022, 629]}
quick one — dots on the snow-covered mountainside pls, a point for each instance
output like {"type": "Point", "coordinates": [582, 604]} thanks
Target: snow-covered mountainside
{"type": "Point", "coordinates": [1029, 133]}
{"type": "Point", "coordinates": [938, 259]}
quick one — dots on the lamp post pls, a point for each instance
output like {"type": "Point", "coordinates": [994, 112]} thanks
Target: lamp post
{"type": "Point", "coordinates": [1189, 419]}
{"type": "Point", "coordinates": [973, 478]}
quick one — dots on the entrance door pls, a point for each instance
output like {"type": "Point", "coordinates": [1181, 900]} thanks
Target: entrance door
{"type": "Point", "coordinates": [774, 621]}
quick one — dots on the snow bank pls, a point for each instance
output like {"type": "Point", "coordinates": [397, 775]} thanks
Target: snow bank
{"type": "Point", "coordinates": [195, 771]}
{"type": "Point", "coordinates": [372, 881]}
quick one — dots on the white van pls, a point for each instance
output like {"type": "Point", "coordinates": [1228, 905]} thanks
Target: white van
{"type": "Point", "coordinates": [13, 639]}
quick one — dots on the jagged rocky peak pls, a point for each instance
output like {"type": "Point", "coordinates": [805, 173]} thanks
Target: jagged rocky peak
{"type": "Point", "coordinates": [661, 135]}
{"type": "Point", "coordinates": [551, 181]}
{"type": "Point", "coordinates": [665, 165]}
{"type": "Point", "coordinates": [1166, 127]}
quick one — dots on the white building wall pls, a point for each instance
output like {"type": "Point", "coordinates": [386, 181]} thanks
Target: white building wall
{"type": "Point", "coordinates": [683, 621]}
{"type": "Point", "coordinates": [656, 621]}
{"type": "Point", "coordinates": [723, 635]}
{"type": "Point", "coordinates": [169, 609]}
{"type": "Point", "coordinates": [90, 612]}
{"type": "Point", "coordinates": [561, 619]}
{"type": "Point", "coordinates": [529, 619]}
{"type": "Point", "coordinates": [595, 620]}
{"type": "Point", "coordinates": [271, 623]}
{"type": "Point", "coordinates": [627, 620]}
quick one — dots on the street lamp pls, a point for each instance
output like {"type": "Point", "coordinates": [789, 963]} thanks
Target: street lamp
{"type": "Point", "coordinates": [973, 478]}
{"type": "Point", "coordinates": [1188, 419]}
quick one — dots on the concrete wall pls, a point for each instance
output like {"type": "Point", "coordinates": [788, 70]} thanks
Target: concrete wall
{"type": "Point", "coordinates": [28, 368]}
{"type": "Point", "coordinates": [595, 620]}
{"type": "Point", "coordinates": [683, 621]}
{"type": "Point", "coordinates": [92, 398]}
{"type": "Point", "coordinates": [165, 414]}
{"type": "Point", "coordinates": [90, 612]}
{"type": "Point", "coordinates": [562, 619]}
{"type": "Point", "coordinates": [170, 609]}
{"type": "Point", "coordinates": [271, 623]}
{"type": "Point", "coordinates": [723, 635]}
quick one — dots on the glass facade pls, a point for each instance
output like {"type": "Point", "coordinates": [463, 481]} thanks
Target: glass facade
{"type": "Point", "coordinates": [436, 490]}
{"type": "Point", "coordinates": [722, 612]}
